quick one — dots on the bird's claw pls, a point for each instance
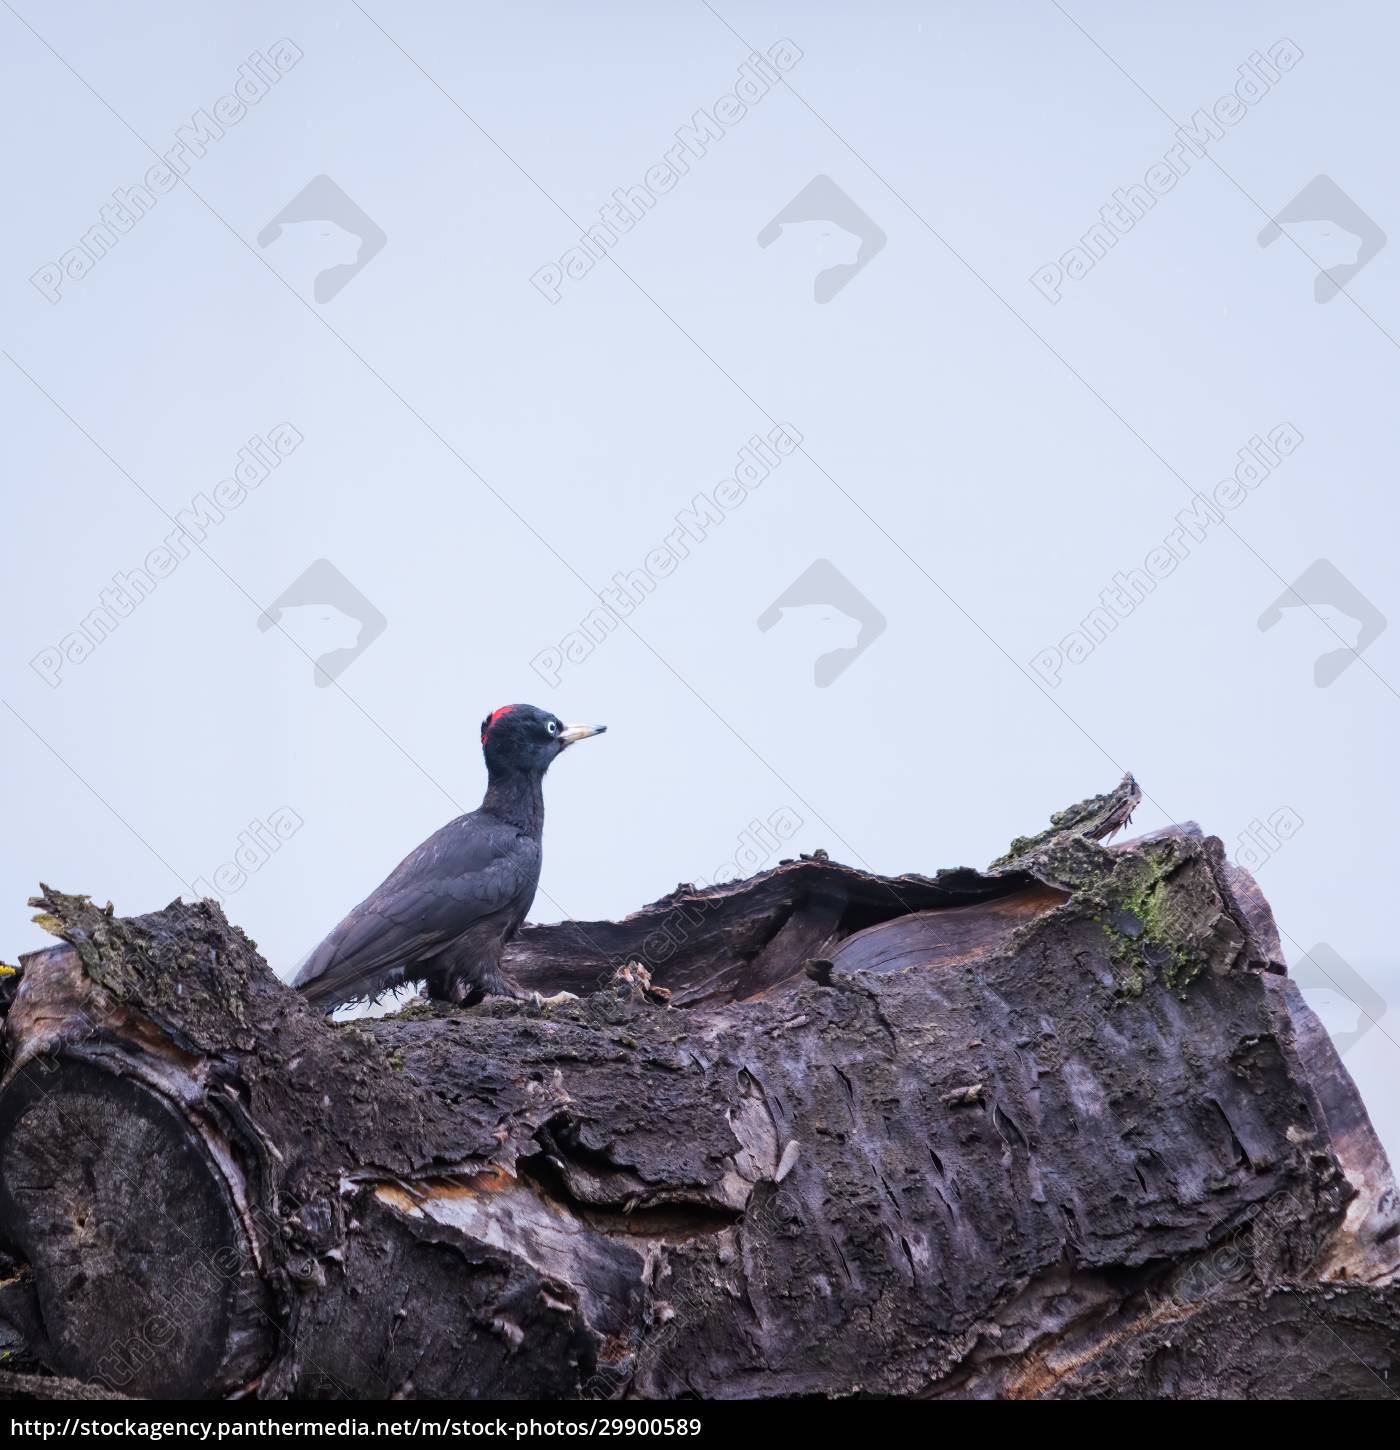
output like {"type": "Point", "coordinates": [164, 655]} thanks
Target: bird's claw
{"type": "Point", "coordinates": [557, 1000]}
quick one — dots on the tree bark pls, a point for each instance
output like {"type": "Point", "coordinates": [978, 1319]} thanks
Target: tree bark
{"type": "Point", "coordinates": [1059, 1128]}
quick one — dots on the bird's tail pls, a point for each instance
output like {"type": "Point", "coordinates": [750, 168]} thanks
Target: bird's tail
{"type": "Point", "coordinates": [329, 979]}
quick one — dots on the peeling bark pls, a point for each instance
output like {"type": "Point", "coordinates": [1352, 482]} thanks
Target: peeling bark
{"type": "Point", "coordinates": [1060, 1128]}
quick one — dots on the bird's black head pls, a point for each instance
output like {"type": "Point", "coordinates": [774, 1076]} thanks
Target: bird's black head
{"type": "Point", "coordinates": [524, 738]}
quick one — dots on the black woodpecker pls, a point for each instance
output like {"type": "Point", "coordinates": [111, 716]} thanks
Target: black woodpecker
{"type": "Point", "coordinates": [446, 912]}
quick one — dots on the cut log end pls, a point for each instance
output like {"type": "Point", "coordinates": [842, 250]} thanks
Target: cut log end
{"type": "Point", "coordinates": [128, 1229]}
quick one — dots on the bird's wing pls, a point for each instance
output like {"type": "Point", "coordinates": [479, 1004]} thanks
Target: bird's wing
{"type": "Point", "coordinates": [472, 867]}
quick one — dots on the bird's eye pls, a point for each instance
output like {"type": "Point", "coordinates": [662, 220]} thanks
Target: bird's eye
{"type": "Point", "coordinates": [553, 727]}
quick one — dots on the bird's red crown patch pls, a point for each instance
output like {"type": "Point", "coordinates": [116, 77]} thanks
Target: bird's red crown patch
{"type": "Point", "coordinates": [491, 720]}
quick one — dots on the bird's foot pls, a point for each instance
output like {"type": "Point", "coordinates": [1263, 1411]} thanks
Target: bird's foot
{"type": "Point", "coordinates": [557, 1000]}
{"type": "Point", "coordinates": [512, 991]}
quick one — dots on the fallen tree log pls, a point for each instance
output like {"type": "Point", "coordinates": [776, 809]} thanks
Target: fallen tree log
{"type": "Point", "coordinates": [1058, 1128]}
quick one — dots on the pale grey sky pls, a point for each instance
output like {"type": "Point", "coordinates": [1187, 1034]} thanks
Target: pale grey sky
{"type": "Point", "coordinates": [878, 637]}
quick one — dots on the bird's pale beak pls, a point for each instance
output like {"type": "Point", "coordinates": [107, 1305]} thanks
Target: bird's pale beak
{"type": "Point", "coordinates": [571, 733]}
